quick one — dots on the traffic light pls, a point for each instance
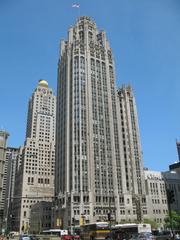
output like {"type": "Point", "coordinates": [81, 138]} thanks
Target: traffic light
{"type": "Point", "coordinates": [22, 228]}
{"type": "Point", "coordinates": [109, 216]}
{"type": "Point", "coordinates": [170, 196]}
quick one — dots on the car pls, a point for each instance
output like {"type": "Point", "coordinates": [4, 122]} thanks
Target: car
{"type": "Point", "coordinates": [67, 237]}
{"type": "Point", "coordinates": [24, 237]}
{"type": "Point", "coordinates": [162, 235]}
{"type": "Point", "coordinates": [177, 236]}
{"type": "Point", "coordinates": [28, 237]}
{"type": "Point", "coordinates": [146, 236]}
{"type": "Point", "coordinates": [116, 234]}
{"type": "Point", "coordinates": [33, 237]}
{"type": "Point", "coordinates": [70, 237]}
{"type": "Point", "coordinates": [76, 237]}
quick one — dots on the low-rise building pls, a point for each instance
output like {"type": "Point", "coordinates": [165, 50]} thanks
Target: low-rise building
{"type": "Point", "coordinates": [157, 186]}
{"type": "Point", "coordinates": [156, 196]}
{"type": "Point", "coordinates": [172, 180]}
{"type": "Point", "coordinates": [175, 167]}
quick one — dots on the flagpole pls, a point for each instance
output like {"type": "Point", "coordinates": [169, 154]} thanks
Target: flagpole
{"type": "Point", "coordinates": [79, 11]}
{"type": "Point", "coordinates": [77, 5]}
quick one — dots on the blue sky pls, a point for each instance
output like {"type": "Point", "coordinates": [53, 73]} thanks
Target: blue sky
{"type": "Point", "coordinates": [145, 38]}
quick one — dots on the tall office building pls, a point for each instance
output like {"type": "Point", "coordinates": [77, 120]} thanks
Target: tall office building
{"type": "Point", "coordinates": [35, 177]}
{"type": "Point", "coordinates": [178, 149]}
{"type": "Point", "coordinates": [3, 141]}
{"type": "Point", "coordinates": [9, 183]}
{"type": "Point", "coordinates": [134, 175]}
{"type": "Point", "coordinates": [93, 178]}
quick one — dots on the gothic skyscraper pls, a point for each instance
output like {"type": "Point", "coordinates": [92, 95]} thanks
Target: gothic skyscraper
{"type": "Point", "coordinates": [92, 177]}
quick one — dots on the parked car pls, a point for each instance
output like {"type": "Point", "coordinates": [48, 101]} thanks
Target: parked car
{"type": "Point", "coordinates": [28, 237]}
{"type": "Point", "coordinates": [162, 235]}
{"type": "Point", "coordinates": [24, 237]}
{"type": "Point", "coordinates": [33, 237]}
{"type": "Point", "coordinates": [76, 237]}
{"type": "Point", "coordinates": [67, 237]}
{"type": "Point", "coordinates": [146, 236]}
{"type": "Point", "coordinates": [177, 236]}
{"type": "Point", "coordinates": [70, 237]}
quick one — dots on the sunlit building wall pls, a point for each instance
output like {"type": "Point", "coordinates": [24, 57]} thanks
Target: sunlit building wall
{"type": "Point", "coordinates": [92, 177]}
{"type": "Point", "coordinates": [35, 177]}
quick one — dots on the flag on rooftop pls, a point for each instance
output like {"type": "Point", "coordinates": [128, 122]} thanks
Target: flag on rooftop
{"type": "Point", "coordinates": [76, 5]}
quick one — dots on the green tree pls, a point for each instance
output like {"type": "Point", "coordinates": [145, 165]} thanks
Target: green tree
{"type": "Point", "coordinates": [154, 224]}
{"type": "Point", "coordinates": [175, 220]}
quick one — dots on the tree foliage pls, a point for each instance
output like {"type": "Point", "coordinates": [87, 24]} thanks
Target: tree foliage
{"type": "Point", "coordinates": [154, 224]}
{"type": "Point", "coordinates": [175, 220]}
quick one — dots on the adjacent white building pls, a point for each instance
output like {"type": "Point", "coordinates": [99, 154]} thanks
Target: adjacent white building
{"type": "Point", "coordinates": [156, 196]}
{"type": "Point", "coordinates": [157, 185]}
{"type": "Point", "coordinates": [35, 175]}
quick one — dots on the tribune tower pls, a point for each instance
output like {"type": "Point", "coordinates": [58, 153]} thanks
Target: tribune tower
{"type": "Point", "coordinates": [92, 177]}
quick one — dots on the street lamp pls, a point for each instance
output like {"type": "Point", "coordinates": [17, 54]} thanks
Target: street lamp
{"type": "Point", "coordinates": [138, 208]}
{"type": "Point", "coordinates": [170, 200]}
